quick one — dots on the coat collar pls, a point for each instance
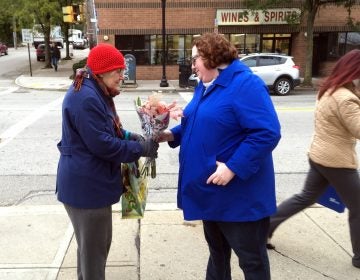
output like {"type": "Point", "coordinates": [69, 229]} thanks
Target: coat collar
{"type": "Point", "coordinates": [226, 75]}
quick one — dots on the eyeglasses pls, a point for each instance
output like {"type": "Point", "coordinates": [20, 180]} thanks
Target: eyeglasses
{"type": "Point", "coordinates": [193, 59]}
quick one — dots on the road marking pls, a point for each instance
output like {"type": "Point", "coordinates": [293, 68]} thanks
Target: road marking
{"type": "Point", "coordinates": [14, 130]}
{"type": "Point", "coordinates": [186, 95]}
{"type": "Point", "coordinates": [293, 109]}
{"type": "Point", "coordinates": [61, 252]}
{"type": "Point", "coordinates": [9, 90]}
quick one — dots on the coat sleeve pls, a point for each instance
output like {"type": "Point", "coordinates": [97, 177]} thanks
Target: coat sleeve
{"type": "Point", "coordinates": [349, 114]}
{"type": "Point", "coordinates": [176, 131]}
{"type": "Point", "coordinates": [96, 131]}
{"type": "Point", "coordinates": [259, 122]}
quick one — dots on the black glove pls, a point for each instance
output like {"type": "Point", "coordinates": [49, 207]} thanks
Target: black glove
{"type": "Point", "coordinates": [136, 137]}
{"type": "Point", "coordinates": [149, 147]}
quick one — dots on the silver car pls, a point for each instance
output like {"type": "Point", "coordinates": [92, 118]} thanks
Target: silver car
{"type": "Point", "coordinates": [278, 71]}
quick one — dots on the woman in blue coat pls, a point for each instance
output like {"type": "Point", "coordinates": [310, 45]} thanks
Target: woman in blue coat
{"type": "Point", "coordinates": [92, 147]}
{"type": "Point", "coordinates": [226, 176]}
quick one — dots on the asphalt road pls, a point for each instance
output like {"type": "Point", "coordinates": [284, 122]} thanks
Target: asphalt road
{"type": "Point", "coordinates": [30, 127]}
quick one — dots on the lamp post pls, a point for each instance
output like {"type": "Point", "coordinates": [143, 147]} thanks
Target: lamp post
{"type": "Point", "coordinates": [163, 82]}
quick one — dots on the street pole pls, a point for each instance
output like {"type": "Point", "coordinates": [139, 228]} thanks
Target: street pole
{"type": "Point", "coordinates": [14, 33]}
{"type": "Point", "coordinates": [28, 45]}
{"type": "Point", "coordinates": [163, 82]}
{"type": "Point", "coordinates": [93, 23]}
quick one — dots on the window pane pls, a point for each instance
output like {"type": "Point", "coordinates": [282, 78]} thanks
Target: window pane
{"type": "Point", "coordinates": [251, 62]}
{"type": "Point", "coordinates": [175, 49]}
{"type": "Point", "coordinates": [333, 45]}
{"type": "Point", "coordinates": [252, 43]}
{"type": "Point", "coordinates": [188, 46]}
{"type": "Point", "coordinates": [268, 60]}
{"type": "Point", "coordinates": [137, 45]}
{"type": "Point", "coordinates": [238, 40]}
{"type": "Point", "coordinates": [156, 49]}
{"type": "Point", "coordinates": [352, 41]}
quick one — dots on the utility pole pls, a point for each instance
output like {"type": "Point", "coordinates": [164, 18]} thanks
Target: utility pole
{"type": "Point", "coordinates": [92, 20]}
{"type": "Point", "coordinates": [164, 82]}
{"type": "Point", "coordinates": [14, 32]}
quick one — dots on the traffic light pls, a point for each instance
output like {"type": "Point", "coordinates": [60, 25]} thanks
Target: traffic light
{"type": "Point", "coordinates": [78, 13]}
{"type": "Point", "coordinates": [68, 14]}
{"type": "Point", "coordinates": [73, 13]}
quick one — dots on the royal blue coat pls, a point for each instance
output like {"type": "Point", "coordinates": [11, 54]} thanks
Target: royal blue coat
{"type": "Point", "coordinates": [88, 174]}
{"type": "Point", "coordinates": [234, 122]}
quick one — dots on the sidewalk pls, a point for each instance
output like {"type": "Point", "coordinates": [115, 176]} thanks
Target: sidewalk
{"type": "Point", "coordinates": [48, 79]}
{"type": "Point", "coordinates": [38, 243]}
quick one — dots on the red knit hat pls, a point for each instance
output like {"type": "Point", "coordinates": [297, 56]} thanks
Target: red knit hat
{"type": "Point", "coordinates": [104, 58]}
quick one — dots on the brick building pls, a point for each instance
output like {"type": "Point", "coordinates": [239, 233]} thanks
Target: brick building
{"type": "Point", "coordinates": [135, 27]}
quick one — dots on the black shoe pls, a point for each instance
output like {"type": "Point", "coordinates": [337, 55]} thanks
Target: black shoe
{"type": "Point", "coordinates": [356, 262]}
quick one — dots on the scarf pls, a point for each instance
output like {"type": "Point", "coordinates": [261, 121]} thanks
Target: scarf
{"type": "Point", "coordinates": [109, 95]}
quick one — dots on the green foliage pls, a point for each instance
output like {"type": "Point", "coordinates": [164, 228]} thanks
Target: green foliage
{"type": "Point", "coordinates": [18, 14]}
{"type": "Point", "coordinates": [77, 65]}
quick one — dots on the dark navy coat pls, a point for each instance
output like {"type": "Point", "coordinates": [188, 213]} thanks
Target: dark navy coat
{"type": "Point", "coordinates": [234, 122]}
{"type": "Point", "coordinates": [89, 173]}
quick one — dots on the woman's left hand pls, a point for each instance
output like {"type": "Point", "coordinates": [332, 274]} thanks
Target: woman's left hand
{"type": "Point", "coordinates": [221, 176]}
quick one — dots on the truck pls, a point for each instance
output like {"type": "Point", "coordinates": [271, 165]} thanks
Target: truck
{"type": "Point", "coordinates": [77, 39]}
{"type": "Point", "coordinates": [55, 36]}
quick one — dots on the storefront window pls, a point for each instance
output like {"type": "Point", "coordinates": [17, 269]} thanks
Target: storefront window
{"type": "Point", "coordinates": [335, 45]}
{"type": "Point", "coordinates": [245, 43]}
{"type": "Point", "coordinates": [147, 49]}
{"type": "Point", "coordinates": [188, 46]}
{"type": "Point", "coordinates": [137, 45]}
{"type": "Point", "coordinates": [352, 41]}
{"type": "Point", "coordinates": [156, 49]}
{"type": "Point", "coordinates": [276, 43]}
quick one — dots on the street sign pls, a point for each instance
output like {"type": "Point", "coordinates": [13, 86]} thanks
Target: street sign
{"type": "Point", "coordinates": [27, 36]}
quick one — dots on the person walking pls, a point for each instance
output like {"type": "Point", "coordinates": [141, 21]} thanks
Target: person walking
{"type": "Point", "coordinates": [93, 145]}
{"type": "Point", "coordinates": [332, 156]}
{"type": "Point", "coordinates": [55, 55]}
{"type": "Point", "coordinates": [226, 175]}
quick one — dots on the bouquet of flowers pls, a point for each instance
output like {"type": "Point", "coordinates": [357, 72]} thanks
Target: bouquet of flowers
{"type": "Point", "coordinates": [154, 116]}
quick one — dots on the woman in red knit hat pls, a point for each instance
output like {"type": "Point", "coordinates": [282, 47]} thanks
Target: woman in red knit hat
{"type": "Point", "coordinates": [92, 147]}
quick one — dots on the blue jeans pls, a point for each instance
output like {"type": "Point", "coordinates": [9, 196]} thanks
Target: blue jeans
{"type": "Point", "coordinates": [247, 239]}
{"type": "Point", "coordinates": [54, 61]}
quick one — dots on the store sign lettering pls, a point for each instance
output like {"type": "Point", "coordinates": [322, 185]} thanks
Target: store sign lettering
{"type": "Point", "coordinates": [247, 17]}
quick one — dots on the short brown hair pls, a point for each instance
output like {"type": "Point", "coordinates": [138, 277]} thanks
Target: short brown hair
{"type": "Point", "coordinates": [215, 50]}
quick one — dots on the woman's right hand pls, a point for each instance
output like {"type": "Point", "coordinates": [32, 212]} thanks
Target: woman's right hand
{"type": "Point", "coordinates": [164, 136]}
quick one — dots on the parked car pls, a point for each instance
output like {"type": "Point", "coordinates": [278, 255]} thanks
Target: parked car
{"type": "Point", "coordinates": [278, 71]}
{"type": "Point", "coordinates": [3, 49]}
{"type": "Point", "coordinates": [40, 52]}
{"type": "Point", "coordinates": [193, 80]}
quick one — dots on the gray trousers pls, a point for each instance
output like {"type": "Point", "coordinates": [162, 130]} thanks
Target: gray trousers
{"type": "Point", "coordinates": [346, 183]}
{"type": "Point", "coordinates": [93, 232]}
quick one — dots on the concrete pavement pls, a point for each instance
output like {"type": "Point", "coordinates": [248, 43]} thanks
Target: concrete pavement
{"type": "Point", "coordinates": [37, 241]}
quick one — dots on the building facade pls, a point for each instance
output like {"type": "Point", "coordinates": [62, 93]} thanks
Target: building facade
{"type": "Point", "coordinates": [135, 27]}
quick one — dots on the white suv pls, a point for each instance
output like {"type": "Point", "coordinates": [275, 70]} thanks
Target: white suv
{"type": "Point", "coordinates": [278, 71]}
